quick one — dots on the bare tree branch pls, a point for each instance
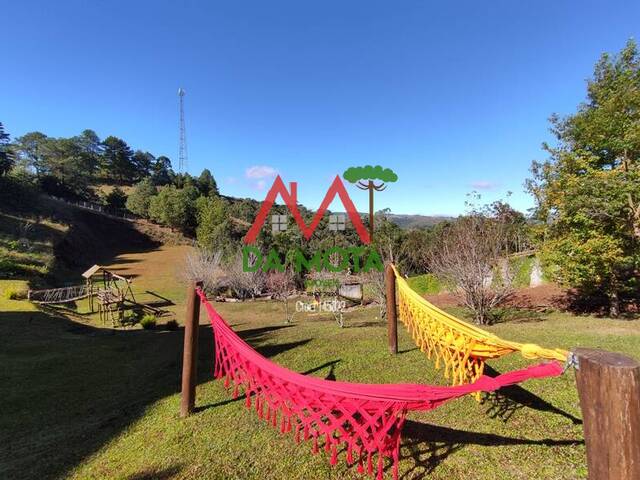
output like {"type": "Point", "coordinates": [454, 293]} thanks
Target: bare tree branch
{"type": "Point", "coordinates": [472, 257]}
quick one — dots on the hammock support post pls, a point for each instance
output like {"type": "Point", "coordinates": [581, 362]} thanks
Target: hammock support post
{"type": "Point", "coordinates": [190, 351]}
{"type": "Point", "coordinates": [392, 314]}
{"type": "Point", "coordinates": [609, 389]}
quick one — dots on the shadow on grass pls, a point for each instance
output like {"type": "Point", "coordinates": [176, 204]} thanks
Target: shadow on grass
{"type": "Point", "coordinates": [407, 350]}
{"type": "Point", "coordinates": [505, 402]}
{"type": "Point", "coordinates": [429, 445]}
{"type": "Point", "coordinates": [164, 474]}
{"type": "Point", "coordinates": [69, 389]}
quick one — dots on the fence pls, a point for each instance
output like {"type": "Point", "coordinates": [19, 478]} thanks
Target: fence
{"type": "Point", "coordinates": [96, 207]}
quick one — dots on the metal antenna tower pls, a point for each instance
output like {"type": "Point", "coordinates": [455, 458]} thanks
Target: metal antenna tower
{"type": "Point", "coordinates": [182, 149]}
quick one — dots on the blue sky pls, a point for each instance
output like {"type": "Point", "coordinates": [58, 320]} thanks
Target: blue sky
{"type": "Point", "coordinates": [454, 96]}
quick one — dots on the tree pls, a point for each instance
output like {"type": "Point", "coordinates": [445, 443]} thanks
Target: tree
{"type": "Point", "coordinates": [213, 230]}
{"type": "Point", "coordinates": [116, 200]}
{"type": "Point", "coordinates": [70, 167]}
{"type": "Point", "coordinates": [90, 146]}
{"type": "Point", "coordinates": [181, 180]}
{"type": "Point", "coordinates": [117, 160]}
{"type": "Point", "coordinates": [282, 286]}
{"type": "Point", "coordinates": [370, 174]}
{"type": "Point", "coordinates": [175, 207]}
{"type": "Point", "coordinates": [588, 191]}
{"type": "Point", "coordinates": [6, 156]}
{"type": "Point", "coordinates": [31, 148]}
{"type": "Point", "coordinates": [161, 171]}
{"type": "Point", "coordinates": [205, 266]}
{"type": "Point", "coordinates": [243, 284]}
{"type": "Point", "coordinates": [207, 184]}
{"type": "Point", "coordinates": [471, 256]}
{"type": "Point", "coordinates": [142, 163]}
{"type": "Point", "coordinates": [140, 198]}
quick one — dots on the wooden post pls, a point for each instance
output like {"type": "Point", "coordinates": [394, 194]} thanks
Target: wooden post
{"type": "Point", "coordinates": [392, 317]}
{"type": "Point", "coordinates": [609, 389]}
{"type": "Point", "coordinates": [190, 352]}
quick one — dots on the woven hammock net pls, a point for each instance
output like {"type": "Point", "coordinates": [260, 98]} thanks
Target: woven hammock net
{"type": "Point", "coordinates": [364, 420]}
{"type": "Point", "coordinates": [459, 347]}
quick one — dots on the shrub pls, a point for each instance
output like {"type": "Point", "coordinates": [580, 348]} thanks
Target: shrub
{"type": "Point", "coordinates": [148, 322]}
{"type": "Point", "coordinates": [130, 317]}
{"type": "Point", "coordinates": [426, 284]}
{"type": "Point", "coordinates": [15, 294]}
{"type": "Point", "coordinates": [172, 325]}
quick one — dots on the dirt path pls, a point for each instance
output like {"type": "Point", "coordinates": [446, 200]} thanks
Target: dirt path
{"type": "Point", "coordinates": [535, 298]}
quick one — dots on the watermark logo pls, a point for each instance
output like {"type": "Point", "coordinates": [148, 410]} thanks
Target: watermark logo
{"type": "Point", "coordinates": [290, 199]}
{"type": "Point", "coordinates": [334, 259]}
{"type": "Point", "coordinates": [328, 306]}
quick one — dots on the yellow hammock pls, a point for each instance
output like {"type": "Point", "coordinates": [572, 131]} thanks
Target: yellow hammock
{"type": "Point", "coordinates": [463, 348]}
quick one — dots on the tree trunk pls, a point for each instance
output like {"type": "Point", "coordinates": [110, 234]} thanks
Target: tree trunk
{"type": "Point", "coordinates": [371, 210]}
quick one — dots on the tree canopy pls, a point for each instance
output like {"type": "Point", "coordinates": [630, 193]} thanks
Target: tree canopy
{"type": "Point", "coordinates": [6, 156]}
{"type": "Point", "coordinates": [588, 191]}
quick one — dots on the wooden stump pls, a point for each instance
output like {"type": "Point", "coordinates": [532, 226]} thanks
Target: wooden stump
{"type": "Point", "coordinates": [609, 389]}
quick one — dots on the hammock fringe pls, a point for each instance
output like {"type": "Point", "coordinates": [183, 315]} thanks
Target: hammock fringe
{"type": "Point", "coordinates": [365, 419]}
{"type": "Point", "coordinates": [462, 348]}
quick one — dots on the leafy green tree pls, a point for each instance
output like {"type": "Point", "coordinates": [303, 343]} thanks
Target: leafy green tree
{"type": "Point", "coordinates": [6, 156]}
{"type": "Point", "coordinates": [117, 160]}
{"type": "Point", "coordinates": [143, 163]}
{"type": "Point", "coordinates": [207, 184]}
{"type": "Point", "coordinates": [175, 207]}
{"type": "Point", "coordinates": [140, 198]}
{"type": "Point", "coordinates": [31, 149]}
{"type": "Point", "coordinates": [90, 146]}
{"type": "Point", "coordinates": [588, 191]}
{"type": "Point", "coordinates": [116, 200]}
{"type": "Point", "coordinates": [364, 178]}
{"type": "Point", "coordinates": [161, 171]}
{"type": "Point", "coordinates": [214, 229]}
{"type": "Point", "coordinates": [182, 180]}
{"type": "Point", "coordinates": [69, 165]}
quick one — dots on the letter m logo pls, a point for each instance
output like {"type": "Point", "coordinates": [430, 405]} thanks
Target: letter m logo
{"type": "Point", "coordinates": [290, 199]}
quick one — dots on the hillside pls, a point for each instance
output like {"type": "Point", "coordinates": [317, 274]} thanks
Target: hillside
{"type": "Point", "coordinates": [407, 221]}
{"type": "Point", "coordinates": [52, 242]}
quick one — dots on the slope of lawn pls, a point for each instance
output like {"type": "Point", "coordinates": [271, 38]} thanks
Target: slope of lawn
{"type": "Point", "coordinates": [81, 401]}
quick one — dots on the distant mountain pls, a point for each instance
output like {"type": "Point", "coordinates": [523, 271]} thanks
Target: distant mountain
{"type": "Point", "coordinates": [407, 222]}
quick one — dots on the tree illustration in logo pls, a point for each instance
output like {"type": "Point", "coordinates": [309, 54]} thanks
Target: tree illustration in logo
{"type": "Point", "coordinates": [364, 178]}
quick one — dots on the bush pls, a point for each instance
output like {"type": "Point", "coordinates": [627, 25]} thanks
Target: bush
{"type": "Point", "coordinates": [148, 322]}
{"type": "Point", "coordinates": [427, 284]}
{"type": "Point", "coordinates": [130, 317]}
{"type": "Point", "coordinates": [172, 325]}
{"type": "Point", "coordinates": [15, 294]}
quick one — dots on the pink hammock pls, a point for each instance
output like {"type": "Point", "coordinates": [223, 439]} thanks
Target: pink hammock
{"type": "Point", "coordinates": [365, 418]}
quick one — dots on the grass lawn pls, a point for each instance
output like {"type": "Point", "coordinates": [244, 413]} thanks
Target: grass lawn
{"type": "Point", "coordinates": [82, 401]}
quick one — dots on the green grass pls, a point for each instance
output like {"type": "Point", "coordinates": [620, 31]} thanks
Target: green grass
{"type": "Point", "coordinates": [84, 402]}
{"type": "Point", "coordinates": [26, 246]}
{"type": "Point", "coordinates": [522, 267]}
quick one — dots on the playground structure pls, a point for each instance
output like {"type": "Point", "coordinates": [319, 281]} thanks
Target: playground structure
{"type": "Point", "coordinates": [107, 290]}
{"type": "Point", "coordinates": [367, 419]}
